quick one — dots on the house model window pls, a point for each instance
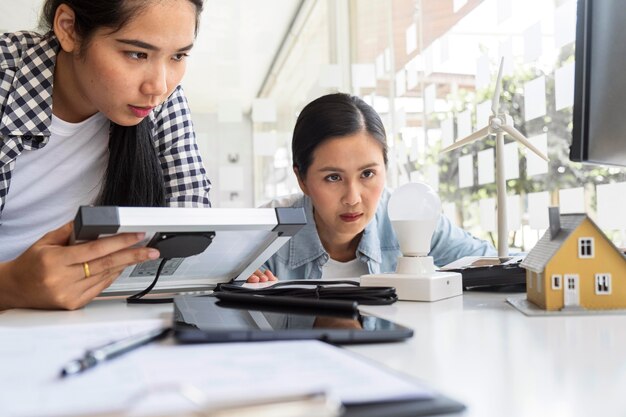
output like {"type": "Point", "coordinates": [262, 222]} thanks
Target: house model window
{"type": "Point", "coordinates": [556, 282]}
{"type": "Point", "coordinates": [585, 247]}
{"type": "Point", "coordinates": [571, 283]}
{"type": "Point", "coordinates": [603, 284]}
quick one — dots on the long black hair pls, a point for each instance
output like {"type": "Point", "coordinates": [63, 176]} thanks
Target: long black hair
{"type": "Point", "coordinates": [134, 176]}
{"type": "Point", "coordinates": [332, 116]}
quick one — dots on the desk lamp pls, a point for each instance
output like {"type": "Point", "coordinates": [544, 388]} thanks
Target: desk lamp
{"type": "Point", "coordinates": [414, 210]}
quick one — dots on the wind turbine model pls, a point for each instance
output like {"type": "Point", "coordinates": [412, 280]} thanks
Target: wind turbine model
{"type": "Point", "coordinates": [499, 124]}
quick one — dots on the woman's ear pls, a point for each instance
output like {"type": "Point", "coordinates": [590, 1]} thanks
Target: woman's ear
{"type": "Point", "coordinates": [301, 182]}
{"type": "Point", "coordinates": [63, 27]}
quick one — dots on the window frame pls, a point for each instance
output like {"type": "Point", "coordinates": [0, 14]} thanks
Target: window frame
{"type": "Point", "coordinates": [608, 284]}
{"type": "Point", "coordinates": [582, 244]}
{"type": "Point", "coordinates": [558, 284]}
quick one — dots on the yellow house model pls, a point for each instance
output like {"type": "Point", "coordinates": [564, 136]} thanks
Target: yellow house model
{"type": "Point", "coordinates": [574, 265]}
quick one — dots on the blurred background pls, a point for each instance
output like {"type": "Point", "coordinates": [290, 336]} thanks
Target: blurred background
{"type": "Point", "coordinates": [427, 66]}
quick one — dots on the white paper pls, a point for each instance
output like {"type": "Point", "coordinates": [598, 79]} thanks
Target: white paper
{"type": "Point", "coordinates": [464, 124]}
{"type": "Point", "coordinates": [565, 24]}
{"type": "Point", "coordinates": [487, 208]}
{"type": "Point", "coordinates": [534, 164]}
{"type": "Point", "coordinates": [400, 83]}
{"type": "Point", "coordinates": [610, 199]}
{"type": "Point", "coordinates": [231, 178]}
{"type": "Point", "coordinates": [263, 110]}
{"type": "Point", "coordinates": [449, 210]}
{"type": "Point", "coordinates": [430, 95]}
{"type": "Point", "coordinates": [466, 171]}
{"type": "Point", "coordinates": [564, 86]}
{"type": "Point", "coordinates": [514, 215]}
{"type": "Point", "coordinates": [538, 204]}
{"type": "Point", "coordinates": [363, 75]}
{"type": "Point", "coordinates": [535, 98]}
{"type": "Point", "coordinates": [265, 143]}
{"type": "Point", "coordinates": [572, 200]}
{"type": "Point", "coordinates": [151, 378]}
{"type": "Point", "coordinates": [532, 43]}
{"type": "Point", "coordinates": [486, 172]}
{"type": "Point", "coordinates": [483, 112]}
{"type": "Point", "coordinates": [330, 76]}
{"type": "Point", "coordinates": [400, 118]}
{"type": "Point", "coordinates": [412, 79]}
{"type": "Point", "coordinates": [483, 72]}
{"type": "Point", "coordinates": [505, 10]}
{"type": "Point", "coordinates": [511, 161]}
{"type": "Point", "coordinates": [380, 66]}
{"type": "Point", "coordinates": [447, 132]}
{"type": "Point", "coordinates": [229, 111]}
{"type": "Point", "coordinates": [411, 39]}
{"type": "Point", "coordinates": [387, 54]}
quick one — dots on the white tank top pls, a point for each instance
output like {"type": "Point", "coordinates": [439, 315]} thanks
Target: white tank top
{"type": "Point", "coordinates": [48, 184]}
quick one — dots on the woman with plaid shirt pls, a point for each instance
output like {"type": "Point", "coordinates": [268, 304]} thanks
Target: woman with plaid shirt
{"type": "Point", "coordinates": [91, 113]}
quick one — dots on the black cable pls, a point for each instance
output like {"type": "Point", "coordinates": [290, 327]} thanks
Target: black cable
{"type": "Point", "coordinates": [327, 290]}
{"type": "Point", "coordinates": [137, 298]}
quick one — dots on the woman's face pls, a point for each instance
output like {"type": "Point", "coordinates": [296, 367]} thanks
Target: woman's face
{"type": "Point", "coordinates": [344, 182]}
{"type": "Point", "coordinates": [127, 73]}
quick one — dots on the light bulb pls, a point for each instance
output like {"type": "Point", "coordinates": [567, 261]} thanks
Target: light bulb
{"type": "Point", "coordinates": [414, 211]}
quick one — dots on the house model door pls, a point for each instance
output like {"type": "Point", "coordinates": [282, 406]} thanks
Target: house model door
{"type": "Point", "coordinates": [571, 293]}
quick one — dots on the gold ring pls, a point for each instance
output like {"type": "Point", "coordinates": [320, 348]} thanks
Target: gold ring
{"type": "Point", "coordinates": [86, 269]}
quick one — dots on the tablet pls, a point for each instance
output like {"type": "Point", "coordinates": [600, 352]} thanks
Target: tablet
{"type": "Point", "coordinates": [206, 319]}
{"type": "Point", "coordinates": [203, 246]}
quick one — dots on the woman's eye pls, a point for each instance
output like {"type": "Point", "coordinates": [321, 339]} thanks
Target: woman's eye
{"type": "Point", "coordinates": [367, 174]}
{"type": "Point", "coordinates": [179, 57]}
{"type": "Point", "coordinates": [333, 178]}
{"type": "Point", "coordinates": [137, 55]}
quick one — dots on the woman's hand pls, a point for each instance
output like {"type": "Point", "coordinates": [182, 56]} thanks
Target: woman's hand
{"type": "Point", "coordinates": [52, 275]}
{"type": "Point", "coordinates": [261, 276]}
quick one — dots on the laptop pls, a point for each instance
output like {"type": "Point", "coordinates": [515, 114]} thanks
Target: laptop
{"type": "Point", "coordinates": [206, 319]}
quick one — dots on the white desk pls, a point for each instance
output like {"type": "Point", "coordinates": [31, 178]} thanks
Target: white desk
{"type": "Point", "coordinates": [476, 349]}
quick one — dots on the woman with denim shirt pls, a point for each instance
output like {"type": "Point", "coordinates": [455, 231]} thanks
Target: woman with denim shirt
{"type": "Point", "coordinates": [339, 152]}
{"type": "Point", "coordinates": [91, 112]}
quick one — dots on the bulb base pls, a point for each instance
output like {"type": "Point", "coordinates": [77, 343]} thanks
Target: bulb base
{"type": "Point", "coordinates": [417, 280]}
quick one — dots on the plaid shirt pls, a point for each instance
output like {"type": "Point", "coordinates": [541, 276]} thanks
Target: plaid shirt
{"type": "Point", "coordinates": [26, 72]}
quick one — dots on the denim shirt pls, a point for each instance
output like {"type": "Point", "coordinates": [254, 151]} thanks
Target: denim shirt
{"type": "Point", "coordinates": [303, 256]}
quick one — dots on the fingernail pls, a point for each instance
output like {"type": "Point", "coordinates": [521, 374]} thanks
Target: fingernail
{"type": "Point", "coordinates": [153, 254]}
{"type": "Point", "coordinates": [140, 235]}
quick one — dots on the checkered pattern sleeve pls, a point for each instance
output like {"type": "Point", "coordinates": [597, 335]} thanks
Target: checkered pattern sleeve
{"type": "Point", "coordinates": [186, 183]}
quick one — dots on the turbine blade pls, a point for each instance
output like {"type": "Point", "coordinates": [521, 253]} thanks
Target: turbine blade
{"type": "Point", "coordinates": [471, 138]}
{"type": "Point", "coordinates": [495, 101]}
{"type": "Point", "coordinates": [517, 135]}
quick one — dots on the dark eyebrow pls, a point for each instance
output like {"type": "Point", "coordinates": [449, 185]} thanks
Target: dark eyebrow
{"type": "Point", "coordinates": [370, 165]}
{"type": "Point", "coordinates": [145, 45]}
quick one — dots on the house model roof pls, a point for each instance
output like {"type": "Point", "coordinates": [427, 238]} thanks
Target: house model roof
{"type": "Point", "coordinates": [547, 246]}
